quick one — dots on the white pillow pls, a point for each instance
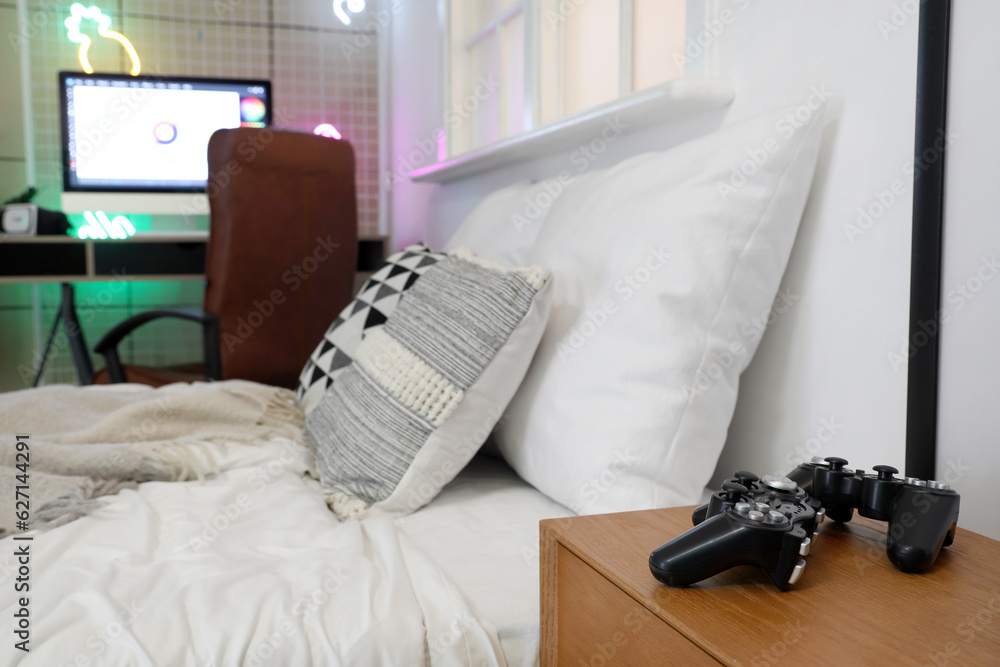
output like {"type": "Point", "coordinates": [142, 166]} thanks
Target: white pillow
{"type": "Point", "coordinates": [660, 266]}
{"type": "Point", "coordinates": [504, 226]}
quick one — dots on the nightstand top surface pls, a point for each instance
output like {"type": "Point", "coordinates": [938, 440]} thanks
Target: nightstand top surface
{"type": "Point", "coordinates": [851, 606]}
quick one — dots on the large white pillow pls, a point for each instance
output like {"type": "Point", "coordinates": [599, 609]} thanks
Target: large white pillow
{"type": "Point", "coordinates": [505, 224]}
{"type": "Point", "coordinates": [660, 266]}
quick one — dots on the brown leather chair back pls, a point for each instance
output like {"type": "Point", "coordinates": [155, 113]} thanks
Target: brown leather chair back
{"type": "Point", "coordinates": [282, 247]}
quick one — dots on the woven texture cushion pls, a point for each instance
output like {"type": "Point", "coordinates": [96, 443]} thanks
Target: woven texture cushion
{"type": "Point", "coordinates": [368, 311]}
{"type": "Point", "coordinates": [426, 389]}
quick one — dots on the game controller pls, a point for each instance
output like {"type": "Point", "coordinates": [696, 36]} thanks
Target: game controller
{"type": "Point", "coordinates": [922, 514]}
{"type": "Point", "coordinates": [742, 533]}
{"type": "Point", "coordinates": [771, 521]}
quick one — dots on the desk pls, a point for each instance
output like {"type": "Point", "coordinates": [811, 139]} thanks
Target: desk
{"type": "Point", "coordinates": [64, 259]}
{"type": "Point", "coordinates": [145, 256]}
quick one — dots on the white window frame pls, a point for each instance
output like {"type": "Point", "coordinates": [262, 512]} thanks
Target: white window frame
{"type": "Point", "coordinates": [534, 12]}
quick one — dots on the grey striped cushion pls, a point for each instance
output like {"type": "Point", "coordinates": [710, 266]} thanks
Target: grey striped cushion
{"type": "Point", "coordinates": [395, 427]}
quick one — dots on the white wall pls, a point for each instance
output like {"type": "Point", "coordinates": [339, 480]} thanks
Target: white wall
{"type": "Point", "coordinates": [824, 381]}
{"type": "Point", "coordinates": [969, 419]}
{"type": "Point", "coordinates": [821, 383]}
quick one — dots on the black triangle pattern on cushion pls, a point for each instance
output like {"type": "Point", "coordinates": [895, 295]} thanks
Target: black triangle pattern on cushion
{"type": "Point", "coordinates": [371, 308]}
{"type": "Point", "coordinates": [375, 318]}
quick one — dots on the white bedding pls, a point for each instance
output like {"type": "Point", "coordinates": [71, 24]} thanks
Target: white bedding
{"type": "Point", "coordinates": [250, 568]}
{"type": "Point", "coordinates": [482, 530]}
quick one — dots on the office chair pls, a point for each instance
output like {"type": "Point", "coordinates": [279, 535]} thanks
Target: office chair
{"type": "Point", "coordinates": [282, 251]}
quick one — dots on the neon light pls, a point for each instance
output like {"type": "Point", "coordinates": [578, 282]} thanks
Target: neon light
{"type": "Point", "coordinates": [99, 227]}
{"type": "Point", "coordinates": [354, 5]}
{"type": "Point", "coordinates": [327, 130]}
{"type": "Point", "coordinates": [77, 13]}
{"type": "Point", "coordinates": [442, 141]}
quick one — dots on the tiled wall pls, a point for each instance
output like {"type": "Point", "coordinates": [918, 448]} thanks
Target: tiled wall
{"type": "Point", "coordinates": [321, 71]}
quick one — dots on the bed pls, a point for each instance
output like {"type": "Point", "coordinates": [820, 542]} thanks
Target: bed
{"type": "Point", "coordinates": [594, 349]}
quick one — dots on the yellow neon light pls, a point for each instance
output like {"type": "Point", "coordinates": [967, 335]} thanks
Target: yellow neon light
{"type": "Point", "coordinates": [77, 13]}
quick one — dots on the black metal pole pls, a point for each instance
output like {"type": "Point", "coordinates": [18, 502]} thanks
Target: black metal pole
{"type": "Point", "coordinates": [928, 225]}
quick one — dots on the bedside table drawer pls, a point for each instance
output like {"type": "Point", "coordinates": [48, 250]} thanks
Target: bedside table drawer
{"type": "Point", "coordinates": [597, 624]}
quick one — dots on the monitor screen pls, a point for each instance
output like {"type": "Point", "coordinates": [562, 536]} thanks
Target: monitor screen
{"type": "Point", "coordinates": [124, 133]}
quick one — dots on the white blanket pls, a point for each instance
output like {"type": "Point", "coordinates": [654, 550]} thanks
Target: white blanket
{"type": "Point", "coordinates": [249, 568]}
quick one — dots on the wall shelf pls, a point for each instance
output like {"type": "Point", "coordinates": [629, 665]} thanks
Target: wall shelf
{"type": "Point", "coordinates": [654, 106]}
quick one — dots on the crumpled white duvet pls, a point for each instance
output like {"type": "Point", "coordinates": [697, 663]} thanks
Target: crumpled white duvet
{"type": "Point", "coordinates": [249, 568]}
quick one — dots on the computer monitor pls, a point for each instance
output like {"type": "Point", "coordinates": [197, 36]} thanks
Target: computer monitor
{"type": "Point", "coordinates": [148, 135]}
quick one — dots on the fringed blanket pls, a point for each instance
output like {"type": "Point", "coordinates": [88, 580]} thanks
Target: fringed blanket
{"type": "Point", "coordinates": [83, 443]}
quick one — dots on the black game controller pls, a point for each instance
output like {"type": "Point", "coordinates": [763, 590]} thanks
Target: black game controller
{"type": "Point", "coordinates": [766, 522]}
{"type": "Point", "coordinates": [770, 521]}
{"type": "Point", "coordinates": [922, 514]}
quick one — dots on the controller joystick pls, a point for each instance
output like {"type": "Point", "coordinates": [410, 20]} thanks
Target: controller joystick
{"type": "Point", "coordinates": [885, 472]}
{"type": "Point", "coordinates": [836, 487]}
{"type": "Point", "coordinates": [836, 463]}
{"type": "Point", "coordinates": [877, 493]}
{"type": "Point", "coordinates": [746, 478]}
{"type": "Point", "coordinates": [733, 491]}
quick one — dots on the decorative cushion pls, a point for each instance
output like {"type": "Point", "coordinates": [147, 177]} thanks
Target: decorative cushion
{"type": "Point", "coordinates": [369, 310]}
{"type": "Point", "coordinates": [426, 389]}
{"type": "Point", "coordinates": [663, 264]}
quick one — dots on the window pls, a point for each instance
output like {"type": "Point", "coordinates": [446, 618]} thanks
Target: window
{"type": "Point", "coordinates": [517, 64]}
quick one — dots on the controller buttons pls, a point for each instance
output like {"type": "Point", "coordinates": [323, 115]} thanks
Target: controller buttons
{"type": "Point", "coordinates": [742, 508]}
{"type": "Point", "coordinates": [818, 459]}
{"type": "Point", "coordinates": [885, 472]}
{"type": "Point", "coordinates": [805, 547]}
{"type": "Point", "coordinates": [775, 517]}
{"type": "Point", "coordinates": [820, 515]}
{"type": "Point", "coordinates": [797, 572]}
{"type": "Point", "coordinates": [755, 516]}
{"type": "Point", "coordinates": [920, 482]}
{"type": "Point", "coordinates": [940, 486]}
{"type": "Point", "coordinates": [762, 507]}
{"type": "Point", "coordinates": [779, 483]}
{"type": "Point", "coordinates": [912, 480]}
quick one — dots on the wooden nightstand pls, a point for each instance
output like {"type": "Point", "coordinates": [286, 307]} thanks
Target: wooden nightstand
{"type": "Point", "coordinates": [601, 606]}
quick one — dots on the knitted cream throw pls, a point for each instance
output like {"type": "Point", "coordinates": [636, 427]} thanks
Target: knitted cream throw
{"type": "Point", "coordinates": [87, 442]}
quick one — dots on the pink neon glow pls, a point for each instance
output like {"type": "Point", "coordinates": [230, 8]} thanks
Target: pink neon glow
{"type": "Point", "coordinates": [327, 130]}
{"type": "Point", "coordinates": [442, 146]}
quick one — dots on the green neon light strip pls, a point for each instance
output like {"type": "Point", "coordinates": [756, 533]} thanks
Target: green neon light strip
{"type": "Point", "coordinates": [100, 227]}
